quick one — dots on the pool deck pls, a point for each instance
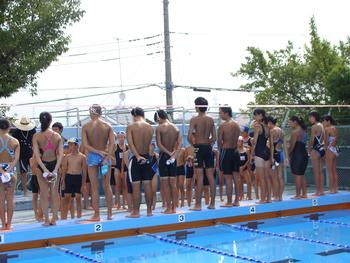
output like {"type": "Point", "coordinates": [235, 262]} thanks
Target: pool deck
{"type": "Point", "coordinates": [70, 231]}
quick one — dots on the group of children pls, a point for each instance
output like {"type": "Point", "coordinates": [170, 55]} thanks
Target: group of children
{"type": "Point", "coordinates": [260, 154]}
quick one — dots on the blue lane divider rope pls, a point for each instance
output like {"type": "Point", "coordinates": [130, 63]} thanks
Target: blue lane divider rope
{"type": "Point", "coordinates": [210, 250]}
{"type": "Point", "coordinates": [333, 222]}
{"type": "Point", "coordinates": [77, 255]}
{"type": "Point", "coordinates": [286, 236]}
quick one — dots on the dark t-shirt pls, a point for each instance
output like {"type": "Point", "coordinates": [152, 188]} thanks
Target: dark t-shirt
{"type": "Point", "coordinates": [25, 140]}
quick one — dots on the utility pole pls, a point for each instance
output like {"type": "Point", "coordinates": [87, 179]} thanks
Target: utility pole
{"type": "Point", "coordinates": [121, 94]}
{"type": "Point", "coordinates": [168, 80]}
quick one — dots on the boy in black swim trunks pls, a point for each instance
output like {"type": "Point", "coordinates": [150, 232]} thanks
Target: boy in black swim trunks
{"type": "Point", "coordinates": [180, 176]}
{"type": "Point", "coordinates": [74, 176]}
{"type": "Point", "coordinates": [34, 184]}
{"type": "Point", "coordinates": [189, 157]}
{"type": "Point", "coordinates": [228, 134]}
{"type": "Point", "coordinates": [202, 136]}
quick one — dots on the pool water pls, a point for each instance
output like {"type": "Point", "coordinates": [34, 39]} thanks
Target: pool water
{"type": "Point", "coordinates": [289, 239]}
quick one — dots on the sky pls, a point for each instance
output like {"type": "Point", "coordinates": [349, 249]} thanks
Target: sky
{"type": "Point", "coordinates": [209, 41]}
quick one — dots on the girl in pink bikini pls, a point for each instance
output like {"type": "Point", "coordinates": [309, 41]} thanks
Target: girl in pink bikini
{"type": "Point", "coordinates": [48, 152]}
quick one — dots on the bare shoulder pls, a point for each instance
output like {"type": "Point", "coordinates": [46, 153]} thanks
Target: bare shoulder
{"type": "Point", "coordinates": [211, 119]}
{"type": "Point", "coordinates": [130, 126]}
{"type": "Point", "coordinates": [149, 127]}
{"type": "Point", "coordinates": [86, 125]}
{"type": "Point", "coordinates": [194, 119]}
{"type": "Point", "coordinates": [174, 126]}
{"type": "Point", "coordinates": [106, 124]}
{"type": "Point", "coordinates": [35, 135]}
{"type": "Point", "coordinates": [57, 136]}
{"type": "Point", "coordinates": [13, 140]}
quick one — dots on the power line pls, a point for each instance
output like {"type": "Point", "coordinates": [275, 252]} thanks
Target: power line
{"type": "Point", "coordinates": [92, 87]}
{"type": "Point", "coordinates": [110, 50]}
{"type": "Point", "coordinates": [208, 89]}
{"type": "Point", "coordinates": [103, 60]}
{"type": "Point", "coordinates": [82, 97]}
{"type": "Point", "coordinates": [115, 42]}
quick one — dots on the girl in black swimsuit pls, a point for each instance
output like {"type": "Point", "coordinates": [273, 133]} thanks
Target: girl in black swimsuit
{"type": "Point", "coordinates": [317, 151]}
{"type": "Point", "coordinates": [244, 171]}
{"type": "Point", "coordinates": [276, 173]}
{"type": "Point", "coordinates": [298, 155]}
{"type": "Point", "coordinates": [263, 154]}
{"type": "Point", "coordinates": [120, 170]}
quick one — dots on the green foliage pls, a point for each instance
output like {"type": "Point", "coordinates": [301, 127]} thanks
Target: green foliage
{"type": "Point", "coordinates": [338, 84]}
{"type": "Point", "coordinates": [32, 35]}
{"type": "Point", "coordinates": [317, 75]}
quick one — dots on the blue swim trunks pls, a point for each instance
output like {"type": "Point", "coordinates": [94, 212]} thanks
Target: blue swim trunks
{"type": "Point", "coordinates": [95, 159]}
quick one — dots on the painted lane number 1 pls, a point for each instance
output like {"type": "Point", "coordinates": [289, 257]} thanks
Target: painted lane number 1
{"type": "Point", "coordinates": [2, 239]}
{"type": "Point", "coordinates": [98, 228]}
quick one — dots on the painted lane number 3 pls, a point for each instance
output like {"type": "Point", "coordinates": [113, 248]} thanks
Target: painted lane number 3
{"type": "Point", "coordinates": [181, 218]}
{"type": "Point", "coordinates": [98, 227]}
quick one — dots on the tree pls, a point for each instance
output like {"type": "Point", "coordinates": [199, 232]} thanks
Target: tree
{"type": "Point", "coordinates": [32, 36]}
{"type": "Point", "coordinates": [318, 75]}
{"type": "Point", "coordinates": [338, 84]}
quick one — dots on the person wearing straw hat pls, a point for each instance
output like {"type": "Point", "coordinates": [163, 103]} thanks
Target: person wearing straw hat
{"type": "Point", "coordinates": [24, 131]}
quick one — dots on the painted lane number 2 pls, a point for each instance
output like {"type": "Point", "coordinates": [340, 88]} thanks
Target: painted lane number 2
{"type": "Point", "coordinates": [181, 218]}
{"type": "Point", "coordinates": [98, 228]}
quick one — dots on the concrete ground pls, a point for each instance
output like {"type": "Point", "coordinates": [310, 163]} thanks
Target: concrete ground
{"type": "Point", "coordinates": [25, 214]}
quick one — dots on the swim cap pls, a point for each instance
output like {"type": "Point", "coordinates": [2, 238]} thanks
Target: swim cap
{"type": "Point", "coordinates": [95, 109]}
{"type": "Point", "coordinates": [245, 129]}
{"type": "Point", "coordinates": [73, 140]}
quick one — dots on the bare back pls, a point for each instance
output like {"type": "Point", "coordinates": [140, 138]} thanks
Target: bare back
{"type": "Point", "coordinates": [202, 130]}
{"type": "Point", "coordinates": [228, 134]}
{"type": "Point", "coordinates": [12, 144]}
{"type": "Point", "coordinates": [139, 135]}
{"type": "Point", "coordinates": [97, 134]}
{"type": "Point", "coordinates": [168, 135]}
{"type": "Point", "coordinates": [45, 139]}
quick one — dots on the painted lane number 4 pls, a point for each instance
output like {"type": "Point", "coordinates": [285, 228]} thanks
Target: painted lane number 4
{"type": "Point", "coordinates": [181, 218]}
{"type": "Point", "coordinates": [252, 210]}
{"type": "Point", "coordinates": [98, 227]}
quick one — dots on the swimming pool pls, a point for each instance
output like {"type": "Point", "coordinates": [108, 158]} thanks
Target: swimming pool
{"type": "Point", "coordinates": [325, 237]}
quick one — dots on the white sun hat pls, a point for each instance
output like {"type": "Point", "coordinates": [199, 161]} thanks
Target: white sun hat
{"type": "Point", "coordinates": [25, 124]}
